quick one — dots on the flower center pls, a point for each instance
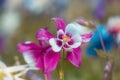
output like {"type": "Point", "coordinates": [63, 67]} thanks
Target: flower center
{"type": "Point", "coordinates": [66, 38]}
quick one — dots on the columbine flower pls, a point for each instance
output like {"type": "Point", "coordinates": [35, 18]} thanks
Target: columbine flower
{"type": "Point", "coordinates": [114, 24]}
{"type": "Point", "coordinates": [45, 57]}
{"type": "Point", "coordinates": [95, 42]}
{"type": "Point", "coordinates": [69, 38]}
{"type": "Point", "coordinates": [114, 27]}
{"type": "Point", "coordinates": [40, 56]}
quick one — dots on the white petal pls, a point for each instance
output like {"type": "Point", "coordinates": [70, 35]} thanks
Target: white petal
{"type": "Point", "coordinates": [28, 42]}
{"type": "Point", "coordinates": [113, 21]}
{"type": "Point", "coordinates": [60, 32]}
{"type": "Point", "coordinates": [54, 45]}
{"type": "Point", "coordinates": [75, 28]}
{"type": "Point", "coordinates": [77, 41]}
{"type": "Point", "coordinates": [28, 57]}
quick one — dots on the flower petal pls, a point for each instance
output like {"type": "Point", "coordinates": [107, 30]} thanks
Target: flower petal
{"type": "Point", "coordinates": [86, 37]}
{"type": "Point", "coordinates": [40, 62]}
{"type": "Point", "coordinates": [51, 59]}
{"type": "Point", "coordinates": [75, 56]}
{"type": "Point", "coordinates": [43, 36]}
{"type": "Point", "coordinates": [60, 33]}
{"type": "Point", "coordinates": [60, 23]}
{"type": "Point", "coordinates": [67, 47]}
{"type": "Point", "coordinates": [95, 42]}
{"type": "Point", "coordinates": [55, 46]}
{"type": "Point", "coordinates": [75, 28]}
{"type": "Point", "coordinates": [29, 58]}
{"type": "Point", "coordinates": [27, 46]}
{"type": "Point", "coordinates": [77, 40]}
{"type": "Point", "coordinates": [113, 25]}
{"type": "Point", "coordinates": [48, 60]}
{"type": "Point", "coordinates": [31, 51]}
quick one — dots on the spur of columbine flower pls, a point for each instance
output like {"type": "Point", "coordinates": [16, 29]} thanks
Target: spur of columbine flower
{"type": "Point", "coordinates": [40, 56]}
{"type": "Point", "coordinates": [69, 38]}
{"type": "Point", "coordinates": [95, 43]}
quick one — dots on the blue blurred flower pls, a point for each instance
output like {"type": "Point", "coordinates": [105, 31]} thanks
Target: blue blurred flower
{"type": "Point", "coordinates": [95, 42]}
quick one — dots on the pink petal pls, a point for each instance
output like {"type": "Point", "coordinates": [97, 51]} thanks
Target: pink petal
{"type": "Point", "coordinates": [67, 47]}
{"type": "Point", "coordinates": [60, 23]}
{"type": "Point", "coordinates": [48, 61]}
{"type": "Point", "coordinates": [75, 56]}
{"type": "Point", "coordinates": [51, 59]}
{"type": "Point", "coordinates": [40, 62]}
{"type": "Point", "coordinates": [43, 36]}
{"type": "Point", "coordinates": [25, 47]}
{"type": "Point", "coordinates": [86, 37]}
{"type": "Point", "coordinates": [30, 49]}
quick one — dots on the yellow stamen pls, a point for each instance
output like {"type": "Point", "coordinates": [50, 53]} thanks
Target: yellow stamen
{"type": "Point", "coordinates": [66, 38]}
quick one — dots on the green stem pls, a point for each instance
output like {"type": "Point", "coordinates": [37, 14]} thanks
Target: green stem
{"type": "Point", "coordinates": [61, 66]}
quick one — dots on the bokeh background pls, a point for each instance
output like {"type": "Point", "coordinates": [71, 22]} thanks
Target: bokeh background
{"type": "Point", "coordinates": [21, 19]}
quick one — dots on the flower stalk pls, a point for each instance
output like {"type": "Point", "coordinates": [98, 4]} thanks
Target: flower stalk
{"type": "Point", "coordinates": [108, 70]}
{"type": "Point", "coordinates": [61, 66]}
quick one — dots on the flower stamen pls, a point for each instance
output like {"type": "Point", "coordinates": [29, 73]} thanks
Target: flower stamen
{"type": "Point", "coordinates": [66, 38]}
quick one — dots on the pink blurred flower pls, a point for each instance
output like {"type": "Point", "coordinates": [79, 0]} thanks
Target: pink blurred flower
{"type": "Point", "coordinates": [42, 56]}
{"type": "Point", "coordinates": [114, 27]}
{"type": "Point", "coordinates": [69, 38]}
{"type": "Point", "coordinates": [114, 24]}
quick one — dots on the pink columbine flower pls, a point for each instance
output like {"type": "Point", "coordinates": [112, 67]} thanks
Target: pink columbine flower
{"type": "Point", "coordinates": [113, 26]}
{"type": "Point", "coordinates": [69, 38]}
{"type": "Point", "coordinates": [41, 56]}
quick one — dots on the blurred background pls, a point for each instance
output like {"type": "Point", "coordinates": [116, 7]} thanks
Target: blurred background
{"type": "Point", "coordinates": [20, 20]}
